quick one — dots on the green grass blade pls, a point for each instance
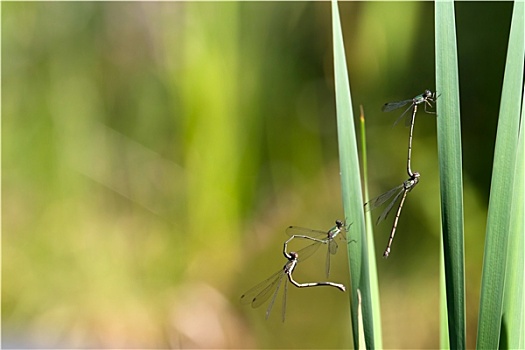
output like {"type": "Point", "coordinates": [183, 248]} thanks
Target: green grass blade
{"type": "Point", "coordinates": [451, 178]}
{"type": "Point", "coordinates": [499, 213]}
{"type": "Point", "coordinates": [513, 323]}
{"type": "Point", "coordinates": [351, 188]}
{"type": "Point", "coordinates": [372, 267]}
{"type": "Point", "coordinates": [443, 314]}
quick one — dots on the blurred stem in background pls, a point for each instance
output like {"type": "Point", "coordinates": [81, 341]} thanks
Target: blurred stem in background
{"type": "Point", "coordinates": [207, 82]}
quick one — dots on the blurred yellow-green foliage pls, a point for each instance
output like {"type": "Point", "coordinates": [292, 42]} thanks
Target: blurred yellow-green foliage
{"type": "Point", "coordinates": [154, 153]}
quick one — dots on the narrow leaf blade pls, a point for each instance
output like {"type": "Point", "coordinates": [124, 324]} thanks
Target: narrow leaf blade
{"type": "Point", "coordinates": [501, 191]}
{"type": "Point", "coordinates": [450, 170]}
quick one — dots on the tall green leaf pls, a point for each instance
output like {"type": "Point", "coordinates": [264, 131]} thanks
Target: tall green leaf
{"type": "Point", "coordinates": [444, 342]}
{"type": "Point", "coordinates": [360, 295]}
{"type": "Point", "coordinates": [372, 266]}
{"type": "Point", "coordinates": [501, 191]}
{"type": "Point", "coordinates": [451, 178]}
{"type": "Point", "coordinates": [513, 322]}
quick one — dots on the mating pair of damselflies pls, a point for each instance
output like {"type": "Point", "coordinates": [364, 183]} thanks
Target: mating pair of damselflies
{"type": "Point", "coordinates": [259, 294]}
{"type": "Point", "coordinates": [402, 190]}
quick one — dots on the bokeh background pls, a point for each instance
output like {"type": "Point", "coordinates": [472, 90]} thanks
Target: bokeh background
{"type": "Point", "coordinates": [154, 153]}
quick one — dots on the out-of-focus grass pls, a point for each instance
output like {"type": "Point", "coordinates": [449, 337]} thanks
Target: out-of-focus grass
{"type": "Point", "coordinates": [128, 167]}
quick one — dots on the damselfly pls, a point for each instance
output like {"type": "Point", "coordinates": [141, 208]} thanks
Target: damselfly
{"type": "Point", "coordinates": [270, 287]}
{"type": "Point", "coordinates": [323, 237]}
{"type": "Point", "coordinates": [401, 191]}
{"type": "Point", "coordinates": [428, 97]}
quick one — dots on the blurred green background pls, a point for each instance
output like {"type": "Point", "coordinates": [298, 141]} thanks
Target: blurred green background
{"type": "Point", "coordinates": [154, 153]}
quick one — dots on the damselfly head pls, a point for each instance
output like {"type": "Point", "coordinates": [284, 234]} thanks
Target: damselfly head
{"type": "Point", "coordinates": [339, 224]}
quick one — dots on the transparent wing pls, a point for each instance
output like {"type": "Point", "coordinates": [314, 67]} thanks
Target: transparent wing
{"type": "Point", "coordinates": [308, 251]}
{"type": "Point", "coordinates": [332, 246]}
{"type": "Point", "coordinates": [407, 120]}
{"type": "Point", "coordinates": [270, 305]}
{"type": "Point", "coordinates": [390, 106]}
{"type": "Point", "coordinates": [381, 199]}
{"type": "Point", "coordinates": [262, 291]}
{"type": "Point", "coordinates": [296, 230]}
{"type": "Point", "coordinates": [327, 264]}
{"type": "Point", "coordinates": [387, 210]}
